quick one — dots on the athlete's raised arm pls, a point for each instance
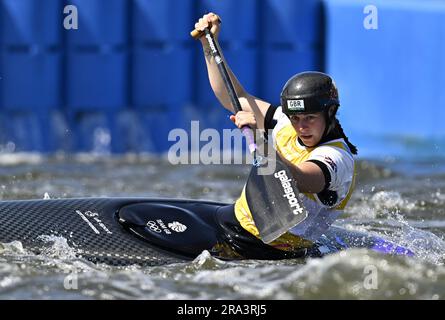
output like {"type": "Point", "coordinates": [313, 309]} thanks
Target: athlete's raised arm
{"type": "Point", "coordinates": [248, 102]}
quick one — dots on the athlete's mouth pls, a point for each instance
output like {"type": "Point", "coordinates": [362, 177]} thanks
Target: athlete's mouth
{"type": "Point", "coordinates": [305, 137]}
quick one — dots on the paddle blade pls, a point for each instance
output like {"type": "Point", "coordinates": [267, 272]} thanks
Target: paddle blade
{"type": "Point", "coordinates": [274, 200]}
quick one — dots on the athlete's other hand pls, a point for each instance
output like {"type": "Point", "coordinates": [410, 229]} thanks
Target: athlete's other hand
{"type": "Point", "coordinates": [244, 118]}
{"type": "Point", "coordinates": [209, 20]}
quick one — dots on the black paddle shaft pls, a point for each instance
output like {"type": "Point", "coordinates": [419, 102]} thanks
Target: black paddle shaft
{"type": "Point", "coordinates": [216, 53]}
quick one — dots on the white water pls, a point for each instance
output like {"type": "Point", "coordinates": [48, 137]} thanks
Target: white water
{"type": "Point", "coordinates": [390, 205]}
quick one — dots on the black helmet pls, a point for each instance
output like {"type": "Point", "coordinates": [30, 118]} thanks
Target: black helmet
{"type": "Point", "coordinates": [309, 92]}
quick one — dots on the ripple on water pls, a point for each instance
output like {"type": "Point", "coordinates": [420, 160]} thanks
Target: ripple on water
{"type": "Point", "coordinates": [391, 205]}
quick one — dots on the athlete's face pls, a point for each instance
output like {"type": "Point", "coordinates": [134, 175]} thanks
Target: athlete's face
{"type": "Point", "coordinates": [310, 127]}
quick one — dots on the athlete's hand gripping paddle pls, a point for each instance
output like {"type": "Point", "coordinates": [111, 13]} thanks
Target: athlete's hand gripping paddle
{"type": "Point", "coordinates": [273, 199]}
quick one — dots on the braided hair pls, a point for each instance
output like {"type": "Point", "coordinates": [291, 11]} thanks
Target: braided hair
{"type": "Point", "coordinates": [335, 130]}
{"type": "Point", "coordinates": [338, 127]}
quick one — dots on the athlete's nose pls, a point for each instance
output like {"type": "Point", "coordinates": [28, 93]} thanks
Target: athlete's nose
{"type": "Point", "coordinates": [303, 124]}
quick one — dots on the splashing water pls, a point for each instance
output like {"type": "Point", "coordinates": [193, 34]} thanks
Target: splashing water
{"type": "Point", "coordinates": [390, 206]}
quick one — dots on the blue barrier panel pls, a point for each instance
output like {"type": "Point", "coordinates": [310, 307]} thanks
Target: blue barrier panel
{"type": "Point", "coordinates": [290, 21]}
{"type": "Point", "coordinates": [159, 125]}
{"type": "Point", "coordinates": [196, 113]}
{"type": "Point", "coordinates": [210, 130]}
{"type": "Point", "coordinates": [101, 22]}
{"type": "Point", "coordinates": [128, 134]}
{"type": "Point", "coordinates": [244, 63]}
{"type": "Point", "coordinates": [217, 118]}
{"type": "Point", "coordinates": [30, 22]}
{"type": "Point", "coordinates": [143, 130]}
{"type": "Point", "coordinates": [281, 64]}
{"type": "Point", "coordinates": [161, 20]}
{"type": "Point", "coordinates": [29, 131]}
{"type": "Point", "coordinates": [146, 130]}
{"type": "Point", "coordinates": [209, 116]}
{"type": "Point", "coordinates": [161, 76]}
{"type": "Point", "coordinates": [123, 131]}
{"type": "Point", "coordinates": [97, 80]}
{"type": "Point", "coordinates": [93, 132]}
{"type": "Point", "coordinates": [392, 76]}
{"type": "Point", "coordinates": [60, 136]}
{"type": "Point", "coordinates": [30, 81]}
{"type": "Point", "coordinates": [23, 129]}
{"type": "Point", "coordinates": [239, 18]}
